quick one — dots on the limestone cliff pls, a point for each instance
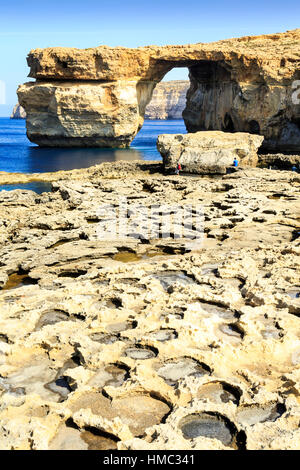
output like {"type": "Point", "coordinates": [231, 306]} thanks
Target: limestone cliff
{"type": "Point", "coordinates": [98, 96]}
{"type": "Point", "coordinates": [168, 100]}
{"type": "Point", "coordinates": [18, 112]}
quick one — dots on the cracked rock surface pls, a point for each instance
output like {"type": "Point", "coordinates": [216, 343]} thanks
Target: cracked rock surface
{"type": "Point", "coordinates": [149, 344]}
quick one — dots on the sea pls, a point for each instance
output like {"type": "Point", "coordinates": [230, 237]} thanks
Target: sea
{"type": "Point", "coordinates": [19, 155]}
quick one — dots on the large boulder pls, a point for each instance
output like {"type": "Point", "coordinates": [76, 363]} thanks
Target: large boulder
{"type": "Point", "coordinates": [208, 151]}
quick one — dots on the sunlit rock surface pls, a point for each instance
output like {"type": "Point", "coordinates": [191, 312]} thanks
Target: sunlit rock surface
{"type": "Point", "coordinates": [135, 343]}
{"type": "Point", "coordinates": [208, 151]}
{"type": "Point", "coordinates": [82, 114]}
{"type": "Point", "coordinates": [98, 96]}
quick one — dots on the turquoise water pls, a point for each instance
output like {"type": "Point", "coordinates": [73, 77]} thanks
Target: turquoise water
{"type": "Point", "coordinates": [38, 187]}
{"type": "Point", "coordinates": [17, 154]}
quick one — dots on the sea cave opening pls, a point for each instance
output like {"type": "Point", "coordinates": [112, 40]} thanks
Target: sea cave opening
{"type": "Point", "coordinates": [201, 93]}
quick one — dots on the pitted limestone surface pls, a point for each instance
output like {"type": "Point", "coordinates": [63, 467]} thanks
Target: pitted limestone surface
{"type": "Point", "coordinates": [192, 350]}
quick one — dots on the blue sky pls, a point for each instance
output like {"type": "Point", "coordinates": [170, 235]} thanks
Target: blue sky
{"type": "Point", "coordinates": [27, 25]}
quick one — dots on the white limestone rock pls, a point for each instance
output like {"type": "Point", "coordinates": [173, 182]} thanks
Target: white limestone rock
{"type": "Point", "coordinates": [208, 151]}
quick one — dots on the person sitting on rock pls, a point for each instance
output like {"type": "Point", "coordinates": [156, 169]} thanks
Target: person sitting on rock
{"type": "Point", "coordinates": [235, 162]}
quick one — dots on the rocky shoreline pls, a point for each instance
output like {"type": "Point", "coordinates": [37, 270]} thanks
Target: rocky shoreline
{"type": "Point", "coordinates": [279, 160]}
{"type": "Point", "coordinates": [134, 344]}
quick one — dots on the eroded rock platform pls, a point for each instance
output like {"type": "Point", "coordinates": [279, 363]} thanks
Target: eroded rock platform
{"type": "Point", "coordinates": [148, 345]}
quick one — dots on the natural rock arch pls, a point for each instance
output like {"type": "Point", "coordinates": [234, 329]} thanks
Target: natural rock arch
{"type": "Point", "coordinates": [97, 97]}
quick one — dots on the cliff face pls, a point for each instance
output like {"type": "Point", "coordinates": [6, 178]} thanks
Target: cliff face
{"type": "Point", "coordinates": [217, 100]}
{"type": "Point", "coordinates": [168, 100]}
{"type": "Point", "coordinates": [18, 112]}
{"type": "Point", "coordinates": [74, 114]}
{"type": "Point", "coordinates": [98, 96]}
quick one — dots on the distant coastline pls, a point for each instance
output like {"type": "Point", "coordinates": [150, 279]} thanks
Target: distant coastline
{"type": "Point", "coordinates": [18, 112]}
{"type": "Point", "coordinates": [168, 100]}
